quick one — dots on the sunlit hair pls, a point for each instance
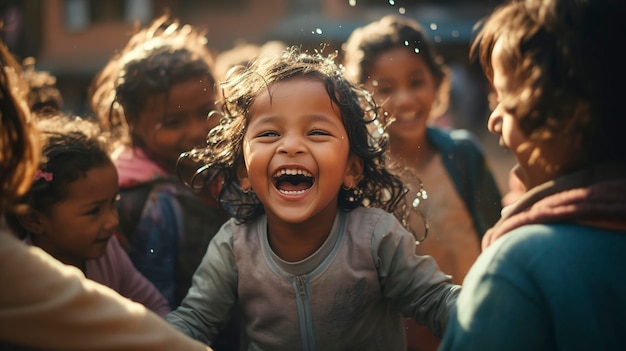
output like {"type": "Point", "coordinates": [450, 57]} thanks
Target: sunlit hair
{"type": "Point", "coordinates": [44, 97]}
{"type": "Point", "coordinates": [155, 58]}
{"type": "Point", "coordinates": [243, 53]}
{"type": "Point", "coordinates": [223, 153]}
{"type": "Point", "coordinates": [71, 146]}
{"type": "Point", "coordinates": [565, 70]}
{"type": "Point", "coordinates": [366, 43]}
{"type": "Point", "coordinates": [19, 148]}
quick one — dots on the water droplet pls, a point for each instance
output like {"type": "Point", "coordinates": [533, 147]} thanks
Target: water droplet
{"type": "Point", "coordinates": [406, 43]}
{"type": "Point", "coordinates": [402, 10]}
{"type": "Point", "coordinates": [433, 26]}
{"type": "Point", "coordinates": [352, 3]}
{"type": "Point", "coordinates": [417, 50]}
{"type": "Point", "coordinates": [392, 2]}
{"type": "Point", "coordinates": [318, 31]}
{"type": "Point", "coordinates": [416, 202]}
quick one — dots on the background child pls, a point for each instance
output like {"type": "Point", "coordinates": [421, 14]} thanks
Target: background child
{"type": "Point", "coordinates": [552, 272]}
{"type": "Point", "coordinates": [394, 59]}
{"type": "Point", "coordinates": [70, 210]}
{"type": "Point", "coordinates": [45, 304]}
{"type": "Point", "coordinates": [310, 266]}
{"type": "Point", "coordinates": [44, 97]}
{"type": "Point", "coordinates": [156, 96]}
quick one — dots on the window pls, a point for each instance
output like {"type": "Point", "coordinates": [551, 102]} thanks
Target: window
{"type": "Point", "coordinates": [80, 14]}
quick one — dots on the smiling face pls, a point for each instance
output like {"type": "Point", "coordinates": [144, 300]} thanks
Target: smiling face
{"type": "Point", "coordinates": [538, 161]}
{"type": "Point", "coordinates": [402, 82]}
{"type": "Point", "coordinates": [79, 227]}
{"type": "Point", "coordinates": [297, 153]}
{"type": "Point", "coordinates": [173, 123]}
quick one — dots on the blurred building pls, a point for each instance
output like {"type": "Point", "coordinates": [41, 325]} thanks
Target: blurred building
{"type": "Point", "coordinates": [73, 39]}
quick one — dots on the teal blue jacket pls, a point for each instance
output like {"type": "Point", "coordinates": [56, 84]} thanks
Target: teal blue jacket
{"type": "Point", "coordinates": [466, 165]}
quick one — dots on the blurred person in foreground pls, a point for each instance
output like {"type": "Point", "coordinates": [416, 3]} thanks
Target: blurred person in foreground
{"type": "Point", "coordinates": [551, 276]}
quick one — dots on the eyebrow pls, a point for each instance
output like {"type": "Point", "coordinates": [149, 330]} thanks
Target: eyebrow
{"type": "Point", "coordinates": [99, 202]}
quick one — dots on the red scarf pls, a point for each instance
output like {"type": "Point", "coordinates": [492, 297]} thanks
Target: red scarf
{"type": "Point", "coordinates": [592, 197]}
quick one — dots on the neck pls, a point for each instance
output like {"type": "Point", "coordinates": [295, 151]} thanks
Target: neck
{"type": "Point", "coordinates": [293, 242]}
{"type": "Point", "coordinates": [413, 154]}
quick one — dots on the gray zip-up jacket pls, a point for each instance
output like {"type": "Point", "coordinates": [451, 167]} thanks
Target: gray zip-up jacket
{"type": "Point", "coordinates": [349, 295]}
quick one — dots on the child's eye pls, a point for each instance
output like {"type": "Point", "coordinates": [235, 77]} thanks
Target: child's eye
{"type": "Point", "coordinates": [93, 211]}
{"type": "Point", "coordinates": [171, 123]}
{"type": "Point", "coordinates": [385, 90]}
{"type": "Point", "coordinates": [492, 98]}
{"type": "Point", "coordinates": [268, 134]}
{"type": "Point", "coordinates": [318, 132]}
{"type": "Point", "coordinates": [417, 82]}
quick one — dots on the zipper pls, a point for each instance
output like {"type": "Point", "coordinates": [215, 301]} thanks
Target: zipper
{"type": "Point", "coordinates": [305, 320]}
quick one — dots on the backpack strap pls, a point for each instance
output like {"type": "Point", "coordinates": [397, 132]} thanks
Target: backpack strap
{"type": "Point", "coordinates": [130, 207]}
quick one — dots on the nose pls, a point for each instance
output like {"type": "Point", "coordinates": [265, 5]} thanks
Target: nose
{"type": "Point", "coordinates": [112, 219]}
{"type": "Point", "coordinates": [402, 99]}
{"type": "Point", "coordinates": [494, 124]}
{"type": "Point", "coordinates": [291, 145]}
{"type": "Point", "coordinates": [199, 128]}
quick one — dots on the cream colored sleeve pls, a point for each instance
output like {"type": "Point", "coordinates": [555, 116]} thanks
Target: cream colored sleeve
{"type": "Point", "coordinates": [47, 305]}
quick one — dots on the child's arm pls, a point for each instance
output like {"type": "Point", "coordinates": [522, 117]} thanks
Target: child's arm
{"type": "Point", "coordinates": [47, 305]}
{"type": "Point", "coordinates": [415, 283]}
{"type": "Point", "coordinates": [206, 308]}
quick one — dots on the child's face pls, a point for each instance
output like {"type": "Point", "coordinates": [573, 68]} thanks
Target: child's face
{"type": "Point", "coordinates": [80, 226]}
{"type": "Point", "coordinates": [538, 162]}
{"type": "Point", "coordinates": [401, 81]}
{"type": "Point", "coordinates": [174, 123]}
{"type": "Point", "coordinates": [296, 151]}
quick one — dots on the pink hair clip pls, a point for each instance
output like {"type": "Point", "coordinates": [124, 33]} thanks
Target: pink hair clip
{"type": "Point", "coordinates": [47, 176]}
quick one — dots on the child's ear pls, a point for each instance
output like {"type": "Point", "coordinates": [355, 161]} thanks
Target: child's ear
{"type": "Point", "coordinates": [242, 177]}
{"type": "Point", "coordinates": [31, 221]}
{"type": "Point", "coordinates": [354, 172]}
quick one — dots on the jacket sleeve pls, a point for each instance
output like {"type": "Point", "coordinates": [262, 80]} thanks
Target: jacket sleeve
{"type": "Point", "coordinates": [415, 283]}
{"type": "Point", "coordinates": [47, 305]}
{"type": "Point", "coordinates": [207, 306]}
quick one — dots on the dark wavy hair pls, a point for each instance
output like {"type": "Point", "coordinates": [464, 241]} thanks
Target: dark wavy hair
{"type": "Point", "coordinates": [154, 59]}
{"type": "Point", "coordinates": [568, 75]}
{"type": "Point", "coordinates": [71, 147]}
{"type": "Point", "coordinates": [223, 153]}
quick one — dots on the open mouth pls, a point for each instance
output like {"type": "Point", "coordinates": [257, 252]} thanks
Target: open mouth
{"type": "Point", "coordinates": [103, 240]}
{"type": "Point", "coordinates": [293, 181]}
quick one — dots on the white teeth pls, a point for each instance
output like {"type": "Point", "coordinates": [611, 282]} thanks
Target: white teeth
{"type": "Point", "coordinates": [292, 192]}
{"type": "Point", "coordinates": [292, 172]}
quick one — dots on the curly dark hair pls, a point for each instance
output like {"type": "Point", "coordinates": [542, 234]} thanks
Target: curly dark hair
{"type": "Point", "coordinates": [568, 76]}
{"type": "Point", "coordinates": [223, 152]}
{"type": "Point", "coordinates": [154, 59]}
{"type": "Point", "coordinates": [71, 147]}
